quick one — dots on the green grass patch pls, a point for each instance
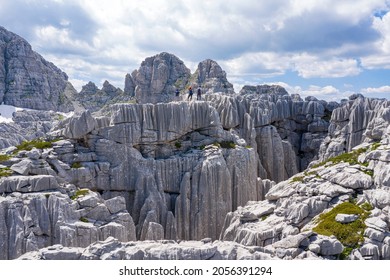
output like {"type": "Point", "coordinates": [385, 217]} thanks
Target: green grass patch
{"type": "Point", "coordinates": [345, 253]}
{"type": "Point", "coordinates": [351, 158]}
{"type": "Point", "coordinates": [248, 146]}
{"type": "Point", "coordinates": [178, 145]}
{"type": "Point", "coordinates": [84, 220]}
{"type": "Point", "coordinates": [36, 143]}
{"type": "Point", "coordinates": [369, 172]}
{"type": "Point", "coordinates": [79, 193]}
{"type": "Point", "coordinates": [76, 165]}
{"type": "Point", "coordinates": [4, 157]}
{"type": "Point", "coordinates": [263, 218]}
{"type": "Point", "coordinates": [375, 146]}
{"type": "Point", "coordinates": [227, 144]}
{"type": "Point", "coordinates": [351, 234]}
{"type": "Point", "coordinates": [5, 172]}
{"type": "Point", "coordinates": [297, 179]}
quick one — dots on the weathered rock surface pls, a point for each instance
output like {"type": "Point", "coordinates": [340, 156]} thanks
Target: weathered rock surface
{"type": "Point", "coordinates": [284, 221]}
{"type": "Point", "coordinates": [359, 120]}
{"type": "Point", "coordinates": [157, 78]}
{"type": "Point", "coordinates": [93, 99]}
{"type": "Point", "coordinates": [27, 80]}
{"type": "Point", "coordinates": [211, 78]}
{"type": "Point", "coordinates": [112, 249]}
{"type": "Point", "coordinates": [285, 130]}
{"type": "Point", "coordinates": [27, 125]}
{"type": "Point", "coordinates": [33, 220]}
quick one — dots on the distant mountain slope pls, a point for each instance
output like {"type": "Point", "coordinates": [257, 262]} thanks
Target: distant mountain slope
{"type": "Point", "coordinates": [27, 80]}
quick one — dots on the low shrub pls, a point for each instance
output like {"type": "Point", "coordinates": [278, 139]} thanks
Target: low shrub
{"type": "Point", "coordinates": [5, 172]}
{"type": "Point", "coordinates": [36, 143]}
{"type": "Point", "coordinates": [76, 165]}
{"type": "Point", "coordinates": [350, 234]}
{"type": "Point", "coordinates": [79, 193]}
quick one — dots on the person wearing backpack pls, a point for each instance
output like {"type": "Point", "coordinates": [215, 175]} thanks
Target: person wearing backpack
{"type": "Point", "coordinates": [190, 93]}
{"type": "Point", "coordinates": [199, 94]}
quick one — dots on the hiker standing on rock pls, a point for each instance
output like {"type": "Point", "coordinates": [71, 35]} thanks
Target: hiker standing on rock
{"type": "Point", "coordinates": [199, 94]}
{"type": "Point", "coordinates": [190, 93]}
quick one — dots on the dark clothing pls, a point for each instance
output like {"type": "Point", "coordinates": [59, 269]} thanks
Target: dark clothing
{"type": "Point", "coordinates": [177, 92]}
{"type": "Point", "coordinates": [190, 93]}
{"type": "Point", "coordinates": [199, 94]}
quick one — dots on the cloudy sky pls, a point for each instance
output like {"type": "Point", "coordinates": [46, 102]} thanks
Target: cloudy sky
{"type": "Point", "coordinates": [328, 48]}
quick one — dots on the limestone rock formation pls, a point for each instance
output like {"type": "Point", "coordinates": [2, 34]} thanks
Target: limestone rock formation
{"type": "Point", "coordinates": [27, 80]}
{"type": "Point", "coordinates": [112, 249]}
{"type": "Point", "coordinates": [359, 120]}
{"type": "Point", "coordinates": [265, 89]}
{"type": "Point", "coordinates": [27, 125]}
{"type": "Point", "coordinates": [285, 130]}
{"type": "Point", "coordinates": [211, 78]}
{"type": "Point", "coordinates": [158, 78]}
{"type": "Point", "coordinates": [286, 220]}
{"type": "Point", "coordinates": [93, 99]}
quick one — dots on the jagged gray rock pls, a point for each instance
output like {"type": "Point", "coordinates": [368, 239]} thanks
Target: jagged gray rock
{"type": "Point", "coordinates": [359, 120]}
{"type": "Point", "coordinates": [27, 80]}
{"type": "Point", "coordinates": [93, 99]}
{"type": "Point", "coordinates": [285, 130]}
{"type": "Point", "coordinates": [211, 78]}
{"type": "Point", "coordinates": [158, 78]}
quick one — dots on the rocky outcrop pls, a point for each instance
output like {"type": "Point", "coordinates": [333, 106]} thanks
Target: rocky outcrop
{"type": "Point", "coordinates": [264, 89]}
{"type": "Point", "coordinates": [169, 162]}
{"type": "Point", "coordinates": [27, 80]}
{"type": "Point", "coordinates": [27, 125]}
{"type": "Point", "coordinates": [211, 78]}
{"type": "Point", "coordinates": [112, 249]}
{"type": "Point", "coordinates": [285, 130]}
{"type": "Point", "coordinates": [93, 99]}
{"type": "Point", "coordinates": [285, 222]}
{"type": "Point", "coordinates": [158, 78]}
{"type": "Point", "coordinates": [359, 120]}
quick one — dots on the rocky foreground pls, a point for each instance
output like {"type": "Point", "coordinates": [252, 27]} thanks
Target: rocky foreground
{"type": "Point", "coordinates": [130, 177]}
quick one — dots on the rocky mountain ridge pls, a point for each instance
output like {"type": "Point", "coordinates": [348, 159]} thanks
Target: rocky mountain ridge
{"type": "Point", "coordinates": [27, 80]}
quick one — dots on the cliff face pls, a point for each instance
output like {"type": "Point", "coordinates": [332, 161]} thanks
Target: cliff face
{"type": "Point", "coordinates": [359, 120]}
{"type": "Point", "coordinates": [27, 80]}
{"type": "Point", "coordinates": [176, 169]}
{"type": "Point", "coordinates": [285, 130]}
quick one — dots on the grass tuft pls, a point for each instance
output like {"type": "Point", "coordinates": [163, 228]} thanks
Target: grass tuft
{"type": "Point", "coordinates": [350, 234]}
{"type": "Point", "coordinates": [36, 143]}
{"type": "Point", "coordinates": [297, 179]}
{"type": "Point", "coordinates": [5, 172]}
{"type": "Point", "coordinates": [178, 145]}
{"type": "Point", "coordinates": [4, 157]}
{"type": "Point", "coordinates": [76, 165]}
{"type": "Point", "coordinates": [351, 158]}
{"type": "Point", "coordinates": [79, 193]}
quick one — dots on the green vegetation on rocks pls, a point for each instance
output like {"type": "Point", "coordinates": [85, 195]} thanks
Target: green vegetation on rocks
{"type": "Point", "coordinates": [4, 158]}
{"type": "Point", "coordinates": [76, 165]}
{"type": "Point", "coordinates": [349, 234]}
{"type": "Point", "coordinates": [5, 172]}
{"type": "Point", "coordinates": [79, 193]}
{"type": "Point", "coordinates": [227, 144]}
{"type": "Point", "coordinates": [351, 158]}
{"type": "Point", "coordinates": [36, 143]}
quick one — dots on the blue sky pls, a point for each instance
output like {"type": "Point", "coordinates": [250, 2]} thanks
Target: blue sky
{"type": "Point", "coordinates": [328, 49]}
